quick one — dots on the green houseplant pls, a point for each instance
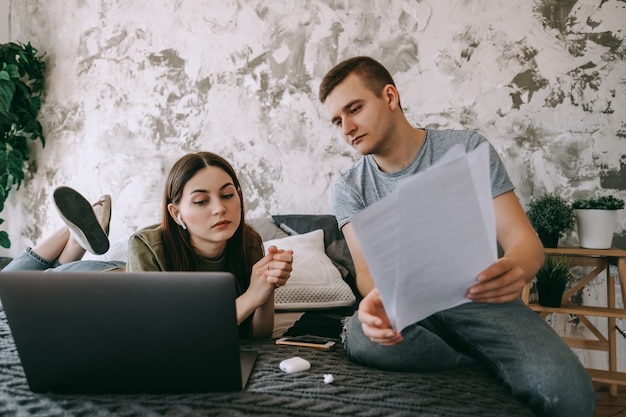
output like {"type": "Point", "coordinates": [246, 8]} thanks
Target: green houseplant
{"type": "Point", "coordinates": [21, 87]}
{"type": "Point", "coordinates": [551, 216]}
{"type": "Point", "coordinates": [551, 280]}
{"type": "Point", "coordinates": [596, 218]}
{"type": "Point", "coordinates": [606, 202]}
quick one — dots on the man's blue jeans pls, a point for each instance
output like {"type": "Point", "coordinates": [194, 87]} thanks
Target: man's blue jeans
{"type": "Point", "coordinates": [30, 261]}
{"type": "Point", "coordinates": [508, 339]}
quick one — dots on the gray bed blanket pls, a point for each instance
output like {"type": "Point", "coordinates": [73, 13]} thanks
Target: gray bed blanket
{"type": "Point", "coordinates": [356, 391]}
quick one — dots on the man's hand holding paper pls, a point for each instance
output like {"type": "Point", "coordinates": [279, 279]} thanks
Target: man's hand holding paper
{"type": "Point", "coordinates": [375, 322]}
{"type": "Point", "coordinates": [427, 241]}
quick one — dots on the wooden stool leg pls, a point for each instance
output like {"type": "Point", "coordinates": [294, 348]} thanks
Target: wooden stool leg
{"type": "Point", "coordinates": [621, 271]}
{"type": "Point", "coordinates": [610, 294]}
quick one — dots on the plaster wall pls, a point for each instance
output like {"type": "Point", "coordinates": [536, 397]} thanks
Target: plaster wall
{"type": "Point", "coordinates": [133, 86]}
{"type": "Point", "coordinates": [4, 21]}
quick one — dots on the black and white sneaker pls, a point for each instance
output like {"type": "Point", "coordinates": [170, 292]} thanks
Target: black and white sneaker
{"type": "Point", "coordinates": [79, 216]}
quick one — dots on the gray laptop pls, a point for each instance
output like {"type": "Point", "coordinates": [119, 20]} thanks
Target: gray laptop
{"type": "Point", "coordinates": [122, 332]}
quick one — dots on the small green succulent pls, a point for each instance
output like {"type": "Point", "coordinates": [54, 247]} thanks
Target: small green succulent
{"type": "Point", "coordinates": [550, 214]}
{"type": "Point", "coordinates": [607, 202]}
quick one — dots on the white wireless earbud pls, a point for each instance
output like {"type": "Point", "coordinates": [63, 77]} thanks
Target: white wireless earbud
{"type": "Point", "coordinates": [181, 222]}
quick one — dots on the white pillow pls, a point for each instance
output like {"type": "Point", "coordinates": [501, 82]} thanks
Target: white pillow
{"type": "Point", "coordinates": [315, 282]}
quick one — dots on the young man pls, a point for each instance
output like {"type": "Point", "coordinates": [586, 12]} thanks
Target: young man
{"type": "Point", "coordinates": [497, 330]}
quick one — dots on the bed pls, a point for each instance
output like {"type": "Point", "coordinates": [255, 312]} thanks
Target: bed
{"type": "Point", "coordinates": [306, 308]}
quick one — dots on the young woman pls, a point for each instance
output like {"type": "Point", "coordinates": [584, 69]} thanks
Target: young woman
{"type": "Point", "coordinates": [203, 229]}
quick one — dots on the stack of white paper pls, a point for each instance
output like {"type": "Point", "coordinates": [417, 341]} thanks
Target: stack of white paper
{"type": "Point", "coordinates": [426, 242]}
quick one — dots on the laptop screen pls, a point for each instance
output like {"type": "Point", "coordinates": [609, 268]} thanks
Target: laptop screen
{"type": "Point", "coordinates": [124, 332]}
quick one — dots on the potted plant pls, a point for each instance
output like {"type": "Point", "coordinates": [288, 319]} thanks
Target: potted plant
{"type": "Point", "coordinates": [551, 216]}
{"type": "Point", "coordinates": [596, 218]}
{"type": "Point", "coordinates": [551, 280]}
{"type": "Point", "coordinates": [21, 87]}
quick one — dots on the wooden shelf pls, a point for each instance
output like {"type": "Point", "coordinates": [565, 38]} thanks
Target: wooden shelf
{"type": "Point", "coordinates": [584, 310]}
{"type": "Point", "coordinates": [607, 377]}
{"type": "Point", "coordinates": [600, 260]}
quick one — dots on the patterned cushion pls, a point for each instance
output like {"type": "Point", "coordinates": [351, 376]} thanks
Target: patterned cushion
{"type": "Point", "coordinates": [334, 241]}
{"type": "Point", "coordinates": [315, 282]}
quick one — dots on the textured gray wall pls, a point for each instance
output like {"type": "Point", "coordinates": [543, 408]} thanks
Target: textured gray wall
{"type": "Point", "coordinates": [4, 21]}
{"type": "Point", "coordinates": [133, 85]}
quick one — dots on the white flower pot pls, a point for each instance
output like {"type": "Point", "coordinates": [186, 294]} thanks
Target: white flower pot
{"type": "Point", "coordinates": [596, 228]}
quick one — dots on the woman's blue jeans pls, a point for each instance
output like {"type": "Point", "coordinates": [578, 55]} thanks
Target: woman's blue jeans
{"type": "Point", "coordinates": [30, 261]}
{"type": "Point", "coordinates": [508, 339]}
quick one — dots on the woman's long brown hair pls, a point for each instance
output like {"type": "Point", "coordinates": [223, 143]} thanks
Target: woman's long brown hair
{"type": "Point", "coordinates": [176, 244]}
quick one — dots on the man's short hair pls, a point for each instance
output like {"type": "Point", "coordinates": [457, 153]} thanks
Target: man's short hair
{"type": "Point", "coordinates": [372, 73]}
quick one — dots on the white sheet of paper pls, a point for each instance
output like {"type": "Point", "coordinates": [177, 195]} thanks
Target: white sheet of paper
{"type": "Point", "coordinates": [425, 242]}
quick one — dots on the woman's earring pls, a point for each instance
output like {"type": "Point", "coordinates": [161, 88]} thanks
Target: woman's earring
{"type": "Point", "coordinates": [181, 222]}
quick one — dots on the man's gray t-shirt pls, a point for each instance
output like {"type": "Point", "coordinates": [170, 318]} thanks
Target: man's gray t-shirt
{"type": "Point", "coordinates": [365, 183]}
